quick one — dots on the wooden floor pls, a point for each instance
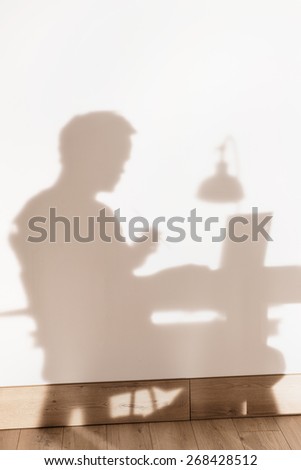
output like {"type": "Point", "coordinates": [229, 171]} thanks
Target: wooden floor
{"type": "Point", "coordinates": [245, 433]}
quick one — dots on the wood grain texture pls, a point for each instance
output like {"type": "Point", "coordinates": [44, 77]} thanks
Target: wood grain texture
{"type": "Point", "coordinates": [173, 435]}
{"type": "Point", "coordinates": [262, 395]}
{"type": "Point", "coordinates": [41, 439]}
{"type": "Point", "coordinates": [248, 433]}
{"type": "Point", "coordinates": [150, 401]}
{"type": "Point", "coordinates": [93, 404]}
{"type": "Point", "coordinates": [218, 397]}
{"type": "Point", "coordinates": [255, 424]}
{"type": "Point", "coordinates": [216, 434]}
{"type": "Point", "coordinates": [291, 428]}
{"type": "Point", "coordinates": [9, 439]}
{"type": "Point", "coordinates": [85, 438]}
{"type": "Point", "coordinates": [129, 437]}
{"type": "Point", "coordinates": [271, 395]}
{"type": "Point", "coordinates": [264, 440]}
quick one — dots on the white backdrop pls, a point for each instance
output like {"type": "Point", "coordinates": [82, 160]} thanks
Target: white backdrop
{"type": "Point", "coordinates": [185, 73]}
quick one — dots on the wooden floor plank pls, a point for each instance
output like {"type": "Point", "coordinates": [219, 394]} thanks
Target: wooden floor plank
{"type": "Point", "coordinates": [128, 436]}
{"type": "Point", "coordinates": [41, 439]}
{"type": "Point", "coordinates": [249, 433]}
{"type": "Point", "coordinates": [255, 424]}
{"type": "Point", "coordinates": [216, 434]}
{"type": "Point", "coordinates": [264, 440]}
{"type": "Point", "coordinates": [291, 429]}
{"type": "Point", "coordinates": [85, 438]}
{"type": "Point", "coordinates": [173, 435]}
{"type": "Point", "coordinates": [9, 439]}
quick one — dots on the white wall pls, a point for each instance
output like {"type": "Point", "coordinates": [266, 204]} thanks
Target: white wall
{"type": "Point", "coordinates": [185, 73]}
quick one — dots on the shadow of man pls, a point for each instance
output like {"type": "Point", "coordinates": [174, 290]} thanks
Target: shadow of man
{"type": "Point", "coordinates": [92, 314]}
{"type": "Point", "coordinates": [71, 283]}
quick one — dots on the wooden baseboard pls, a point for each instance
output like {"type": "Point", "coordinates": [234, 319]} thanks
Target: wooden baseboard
{"type": "Point", "coordinates": [249, 396]}
{"type": "Point", "coordinates": [93, 403]}
{"type": "Point", "coordinates": [162, 400]}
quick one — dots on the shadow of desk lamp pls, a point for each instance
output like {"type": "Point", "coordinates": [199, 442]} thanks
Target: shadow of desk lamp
{"type": "Point", "coordinates": [222, 187]}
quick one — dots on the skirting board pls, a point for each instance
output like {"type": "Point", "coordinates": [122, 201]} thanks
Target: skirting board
{"type": "Point", "coordinates": [162, 400]}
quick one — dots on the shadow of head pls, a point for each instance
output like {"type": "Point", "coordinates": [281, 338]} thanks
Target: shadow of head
{"type": "Point", "coordinates": [94, 148]}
